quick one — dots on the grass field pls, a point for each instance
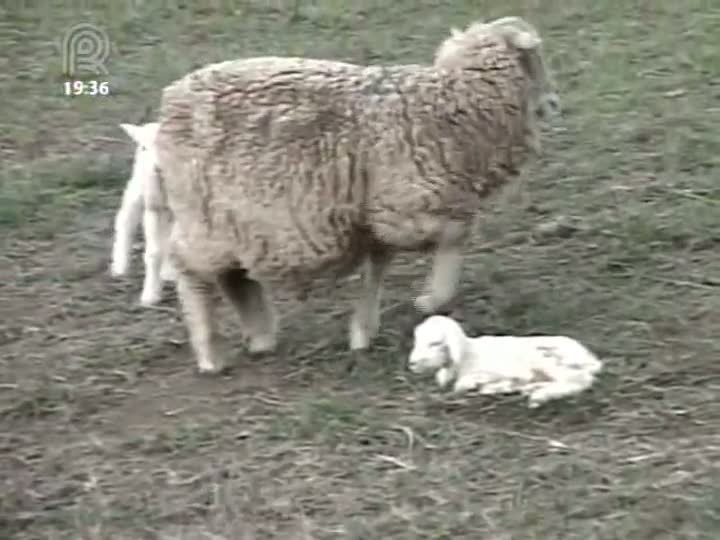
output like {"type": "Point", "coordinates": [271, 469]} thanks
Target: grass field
{"type": "Point", "coordinates": [613, 237]}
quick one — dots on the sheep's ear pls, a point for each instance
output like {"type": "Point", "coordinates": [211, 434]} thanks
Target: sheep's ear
{"type": "Point", "coordinates": [454, 32]}
{"type": "Point", "coordinates": [524, 40]}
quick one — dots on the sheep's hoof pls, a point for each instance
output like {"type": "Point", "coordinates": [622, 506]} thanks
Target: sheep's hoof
{"type": "Point", "coordinates": [426, 304]}
{"type": "Point", "coordinates": [210, 369]}
{"type": "Point", "coordinates": [262, 345]}
{"type": "Point", "coordinates": [168, 273]}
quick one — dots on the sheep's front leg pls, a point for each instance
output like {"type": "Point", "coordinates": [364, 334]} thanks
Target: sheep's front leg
{"type": "Point", "coordinates": [126, 221]}
{"type": "Point", "coordinates": [198, 306]}
{"type": "Point", "coordinates": [442, 282]}
{"type": "Point", "coordinates": [365, 320]}
{"type": "Point", "coordinates": [167, 270]}
{"type": "Point", "coordinates": [255, 308]}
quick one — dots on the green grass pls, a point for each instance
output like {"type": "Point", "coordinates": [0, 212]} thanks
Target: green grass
{"type": "Point", "coordinates": [613, 237]}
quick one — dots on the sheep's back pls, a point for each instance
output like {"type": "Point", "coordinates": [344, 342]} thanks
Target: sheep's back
{"type": "Point", "coordinates": [303, 157]}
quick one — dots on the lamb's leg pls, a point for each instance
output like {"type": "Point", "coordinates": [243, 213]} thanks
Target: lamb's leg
{"type": "Point", "coordinates": [443, 376]}
{"type": "Point", "coordinates": [465, 384]}
{"type": "Point", "coordinates": [365, 320]}
{"type": "Point", "coordinates": [554, 390]}
{"type": "Point", "coordinates": [156, 238]}
{"type": "Point", "coordinates": [126, 221]}
{"type": "Point", "coordinates": [442, 282]}
{"type": "Point", "coordinates": [167, 269]}
{"type": "Point", "coordinates": [255, 308]}
{"type": "Point", "coordinates": [503, 386]}
{"type": "Point", "coordinates": [198, 306]}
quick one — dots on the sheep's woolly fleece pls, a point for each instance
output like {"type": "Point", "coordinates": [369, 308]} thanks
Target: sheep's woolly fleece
{"type": "Point", "coordinates": [290, 167]}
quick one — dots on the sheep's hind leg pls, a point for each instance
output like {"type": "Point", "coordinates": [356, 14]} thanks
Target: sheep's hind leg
{"type": "Point", "coordinates": [198, 305]}
{"type": "Point", "coordinates": [365, 320]}
{"type": "Point", "coordinates": [255, 308]}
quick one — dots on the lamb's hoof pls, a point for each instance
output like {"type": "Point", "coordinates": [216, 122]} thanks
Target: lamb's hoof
{"type": "Point", "coordinates": [150, 298]}
{"type": "Point", "coordinates": [535, 402]}
{"type": "Point", "coordinates": [118, 269]}
{"type": "Point", "coordinates": [151, 295]}
{"type": "Point", "coordinates": [358, 357]}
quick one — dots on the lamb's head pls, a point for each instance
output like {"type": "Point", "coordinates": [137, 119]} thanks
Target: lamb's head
{"type": "Point", "coordinates": [144, 137]}
{"type": "Point", "coordinates": [439, 342]}
{"type": "Point", "coordinates": [476, 48]}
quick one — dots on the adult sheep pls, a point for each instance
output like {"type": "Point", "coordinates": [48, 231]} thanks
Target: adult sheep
{"type": "Point", "coordinates": [283, 172]}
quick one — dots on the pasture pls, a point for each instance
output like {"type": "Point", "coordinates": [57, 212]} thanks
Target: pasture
{"type": "Point", "coordinates": [613, 237]}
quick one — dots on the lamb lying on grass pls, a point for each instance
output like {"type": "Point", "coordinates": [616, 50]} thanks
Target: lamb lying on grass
{"type": "Point", "coordinates": [283, 173]}
{"type": "Point", "coordinates": [540, 367]}
{"type": "Point", "coordinates": [158, 268]}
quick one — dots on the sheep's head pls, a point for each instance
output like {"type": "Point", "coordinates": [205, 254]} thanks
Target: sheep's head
{"type": "Point", "coordinates": [439, 342]}
{"type": "Point", "coordinates": [477, 46]}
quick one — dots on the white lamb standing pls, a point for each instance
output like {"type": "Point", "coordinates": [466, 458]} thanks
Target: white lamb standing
{"type": "Point", "coordinates": [540, 367]}
{"type": "Point", "coordinates": [283, 173]}
{"type": "Point", "coordinates": [156, 221]}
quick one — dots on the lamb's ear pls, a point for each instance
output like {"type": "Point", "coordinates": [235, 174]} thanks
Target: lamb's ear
{"type": "Point", "coordinates": [143, 135]}
{"type": "Point", "coordinates": [454, 32]}
{"type": "Point", "coordinates": [135, 132]}
{"type": "Point", "coordinates": [456, 343]}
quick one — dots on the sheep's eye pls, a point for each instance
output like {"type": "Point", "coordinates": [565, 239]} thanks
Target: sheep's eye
{"type": "Point", "coordinates": [435, 344]}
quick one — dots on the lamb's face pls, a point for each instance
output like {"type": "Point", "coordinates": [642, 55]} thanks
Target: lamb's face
{"type": "Point", "coordinates": [430, 351]}
{"type": "Point", "coordinates": [145, 154]}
